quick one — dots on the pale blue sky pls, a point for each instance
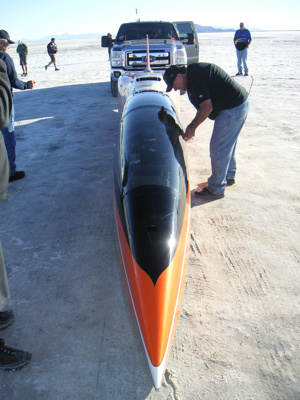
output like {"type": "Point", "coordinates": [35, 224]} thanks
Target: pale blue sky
{"type": "Point", "coordinates": [33, 19]}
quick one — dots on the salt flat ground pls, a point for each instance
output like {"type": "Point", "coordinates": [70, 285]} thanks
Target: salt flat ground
{"type": "Point", "coordinates": [238, 333]}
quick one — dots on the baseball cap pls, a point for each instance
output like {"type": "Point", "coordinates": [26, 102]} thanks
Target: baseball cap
{"type": "Point", "coordinates": [170, 75]}
{"type": "Point", "coordinates": [5, 35]}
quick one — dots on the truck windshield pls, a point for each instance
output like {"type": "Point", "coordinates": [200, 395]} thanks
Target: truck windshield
{"type": "Point", "coordinates": [139, 30]}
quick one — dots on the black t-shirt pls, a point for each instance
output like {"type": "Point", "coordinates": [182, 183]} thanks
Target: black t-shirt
{"type": "Point", "coordinates": [209, 81]}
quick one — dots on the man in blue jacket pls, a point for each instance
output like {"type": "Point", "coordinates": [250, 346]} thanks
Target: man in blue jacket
{"type": "Point", "coordinates": [242, 40]}
{"type": "Point", "coordinates": [9, 131]}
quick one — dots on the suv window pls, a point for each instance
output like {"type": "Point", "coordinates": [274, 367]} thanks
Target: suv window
{"type": "Point", "coordinates": [184, 31]}
{"type": "Point", "coordinates": [139, 30]}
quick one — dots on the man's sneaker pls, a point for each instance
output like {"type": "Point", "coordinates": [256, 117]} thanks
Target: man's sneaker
{"type": "Point", "coordinates": [12, 359]}
{"type": "Point", "coordinates": [206, 194]}
{"type": "Point", "coordinates": [56, 69]}
{"type": "Point", "coordinates": [17, 175]}
{"type": "Point", "coordinates": [230, 182]}
{"type": "Point", "coordinates": [239, 73]}
{"type": "Point", "coordinates": [246, 74]}
{"type": "Point", "coordinates": [6, 318]}
{"type": "Point", "coordinates": [46, 67]}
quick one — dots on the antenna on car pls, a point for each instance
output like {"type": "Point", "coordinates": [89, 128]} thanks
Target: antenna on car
{"type": "Point", "coordinates": [148, 68]}
{"type": "Point", "coordinates": [137, 15]}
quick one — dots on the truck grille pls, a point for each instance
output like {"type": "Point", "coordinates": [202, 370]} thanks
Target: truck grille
{"type": "Point", "coordinates": [137, 60]}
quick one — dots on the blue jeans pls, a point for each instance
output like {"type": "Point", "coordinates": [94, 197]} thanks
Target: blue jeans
{"type": "Point", "coordinates": [227, 127]}
{"type": "Point", "coordinates": [10, 142]}
{"type": "Point", "coordinates": [242, 57]}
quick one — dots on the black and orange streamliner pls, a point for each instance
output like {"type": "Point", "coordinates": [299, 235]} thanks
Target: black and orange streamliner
{"type": "Point", "coordinates": [152, 218]}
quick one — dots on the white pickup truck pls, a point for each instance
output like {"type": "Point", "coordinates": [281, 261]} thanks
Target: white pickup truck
{"type": "Point", "coordinates": [169, 43]}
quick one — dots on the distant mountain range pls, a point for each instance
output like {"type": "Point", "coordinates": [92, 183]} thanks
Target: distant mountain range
{"type": "Point", "coordinates": [68, 36]}
{"type": "Point", "coordinates": [210, 29]}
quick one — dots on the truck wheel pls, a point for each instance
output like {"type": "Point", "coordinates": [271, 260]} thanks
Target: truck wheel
{"type": "Point", "coordinates": [114, 88]}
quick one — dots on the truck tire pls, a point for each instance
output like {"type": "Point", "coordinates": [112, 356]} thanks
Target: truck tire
{"type": "Point", "coordinates": [114, 88]}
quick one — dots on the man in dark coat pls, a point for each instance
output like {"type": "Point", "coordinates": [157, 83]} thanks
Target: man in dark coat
{"type": "Point", "coordinates": [9, 132]}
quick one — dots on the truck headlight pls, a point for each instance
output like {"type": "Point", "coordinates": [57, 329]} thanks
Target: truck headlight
{"type": "Point", "coordinates": [116, 58]}
{"type": "Point", "coordinates": [180, 57]}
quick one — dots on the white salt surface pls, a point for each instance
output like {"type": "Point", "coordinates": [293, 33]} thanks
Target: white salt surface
{"type": "Point", "coordinates": [238, 333]}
